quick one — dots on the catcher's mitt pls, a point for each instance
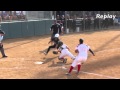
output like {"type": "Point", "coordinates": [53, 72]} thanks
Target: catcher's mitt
{"type": "Point", "coordinates": [55, 52]}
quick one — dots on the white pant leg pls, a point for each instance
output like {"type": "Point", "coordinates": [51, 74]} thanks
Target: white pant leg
{"type": "Point", "coordinates": [78, 60]}
{"type": "Point", "coordinates": [70, 55]}
{"type": "Point", "coordinates": [66, 52]}
{"type": "Point", "coordinates": [63, 54]}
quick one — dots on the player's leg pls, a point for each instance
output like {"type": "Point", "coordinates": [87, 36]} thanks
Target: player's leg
{"type": "Point", "coordinates": [2, 52]}
{"type": "Point", "coordinates": [53, 46]}
{"type": "Point", "coordinates": [70, 55]}
{"type": "Point", "coordinates": [62, 57]}
{"type": "Point", "coordinates": [52, 36]}
{"type": "Point", "coordinates": [81, 61]}
{"type": "Point", "coordinates": [72, 66]}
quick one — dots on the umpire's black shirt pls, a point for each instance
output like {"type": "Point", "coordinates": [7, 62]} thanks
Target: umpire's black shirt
{"type": "Point", "coordinates": [56, 28]}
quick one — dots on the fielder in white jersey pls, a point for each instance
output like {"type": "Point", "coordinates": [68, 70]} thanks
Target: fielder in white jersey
{"type": "Point", "coordinates": [82, 50]}
{"type": "Point", "coordinates": [64, 50]}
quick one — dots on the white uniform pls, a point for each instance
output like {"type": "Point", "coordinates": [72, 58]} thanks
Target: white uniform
{"type": "Point", "coordinates": [82, 55]}
{"type": "Point", "coordinates": [1, 38]}
{"type": "Point", "coordinates": [65, 52]}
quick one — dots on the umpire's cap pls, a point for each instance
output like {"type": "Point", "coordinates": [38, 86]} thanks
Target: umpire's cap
{"type": "Point", "coordinates": [81, 40]}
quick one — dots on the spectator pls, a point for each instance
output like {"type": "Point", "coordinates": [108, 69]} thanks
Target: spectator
{"type": "Point", "coordinates": [18, 15]}
{"type": "Point", "coordinates": [89, 23]}
{"type": "Point", "coordinates": [63, 20]}
{"type": "Point", "coordinates": [5, 15]}
{"type": "Point", "coordinates": [10, 15]}
{"type": "Point", "coordinates": [23, 15]}
{"type": "Point", "coordinates": [0, 16]}
{"type": "Point", "coordinates": [58, 18]}
{"type": "Point", "coordinates": [14, 16]}
{"type": "Point", "coordinates": [61, 24]}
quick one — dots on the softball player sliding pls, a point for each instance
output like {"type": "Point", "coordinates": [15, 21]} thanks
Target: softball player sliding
{"type": "Point", "coordinates": [64, 50]}
{"type": "Point", "coordinates": [82, 50]}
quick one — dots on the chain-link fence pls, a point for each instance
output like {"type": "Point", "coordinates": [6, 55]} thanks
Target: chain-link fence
{"type": "Point", "coordinates": [38, 15]}
{"type": "Point", "coordinates": [88, 20]}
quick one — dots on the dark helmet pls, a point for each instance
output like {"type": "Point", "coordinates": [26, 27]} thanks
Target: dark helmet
{"type": "Point", "coordinates": [2, 32]}
{"type": "Point", "coordinates": [60, 43]}
{"type": "Point", "coordinates": [81, 40]}
{"type": "Point", "coordinates": [55, 38]}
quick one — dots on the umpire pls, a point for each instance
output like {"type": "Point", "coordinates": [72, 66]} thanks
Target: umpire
{"type": "Point", "coordinates": [55, 29]}
{"type": "Point", "coordinates": [2, 33]}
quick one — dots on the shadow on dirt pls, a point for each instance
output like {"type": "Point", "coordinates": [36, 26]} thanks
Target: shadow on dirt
{"type": "Point", "coordinates": [49, 59]}
{"type": "Point", "coordinates": [18, 45]}
{"type": "Point", "coordinates": [72, 77]}
{"type": "Point", "coordinates": [32, 39]}
{"type": "Point", "coordinates": [102, 64]}
{"type": "Point", "coordinates": [43, 51]}
{"type": "Point", "coordinates": [106, 44]}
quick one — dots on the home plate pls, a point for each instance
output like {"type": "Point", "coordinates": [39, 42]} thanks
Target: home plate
{"type": "Point", "coordinates": [38, 62]}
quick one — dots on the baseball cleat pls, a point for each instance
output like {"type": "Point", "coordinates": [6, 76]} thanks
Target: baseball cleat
{"type": "Point", "coordinates": [4, 56]}
{"type": "Point", "coordinates": [45, 53]}
{"type": "Point", "coordinates": [77, 72]}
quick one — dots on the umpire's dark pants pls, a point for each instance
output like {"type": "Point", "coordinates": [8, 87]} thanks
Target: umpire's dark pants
{"type": "Point", "coordinates": [2, 51]}
{"type": "Point", "coordinates": [52, 36]}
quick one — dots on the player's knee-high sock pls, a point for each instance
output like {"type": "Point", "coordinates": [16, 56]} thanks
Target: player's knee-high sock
{"type": "Point", "coordinates": [79, 66]}
{"type": "Point", "coordinates": [71, 68]}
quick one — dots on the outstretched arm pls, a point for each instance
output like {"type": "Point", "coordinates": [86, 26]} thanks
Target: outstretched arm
{"type": "Point", "coordinates": [92, 52]}
{"type": "Point", "coordinates": [68, 48]}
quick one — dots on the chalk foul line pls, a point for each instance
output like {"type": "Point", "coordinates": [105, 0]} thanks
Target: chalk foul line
{"type": "Point", "coordinates": [93, 73]}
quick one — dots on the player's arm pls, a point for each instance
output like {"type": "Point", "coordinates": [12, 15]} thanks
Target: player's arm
{"type": "Point", "coordinates": [76, 49]}
{"type": "Point", "coordinates": [92, 52]}
{"type": "Point", "coordinates": [58, 51]}
{"type": "Point", "coordinates": [67, 47]}
{"type": "Point", "coordinates": [51, 29]}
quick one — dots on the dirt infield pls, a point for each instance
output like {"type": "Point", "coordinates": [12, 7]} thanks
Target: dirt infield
{"type": "Point", "coordinates": [23, 53]}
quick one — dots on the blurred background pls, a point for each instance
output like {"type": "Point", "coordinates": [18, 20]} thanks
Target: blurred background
{"type": "Point", "coordinates": [73, 21]}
